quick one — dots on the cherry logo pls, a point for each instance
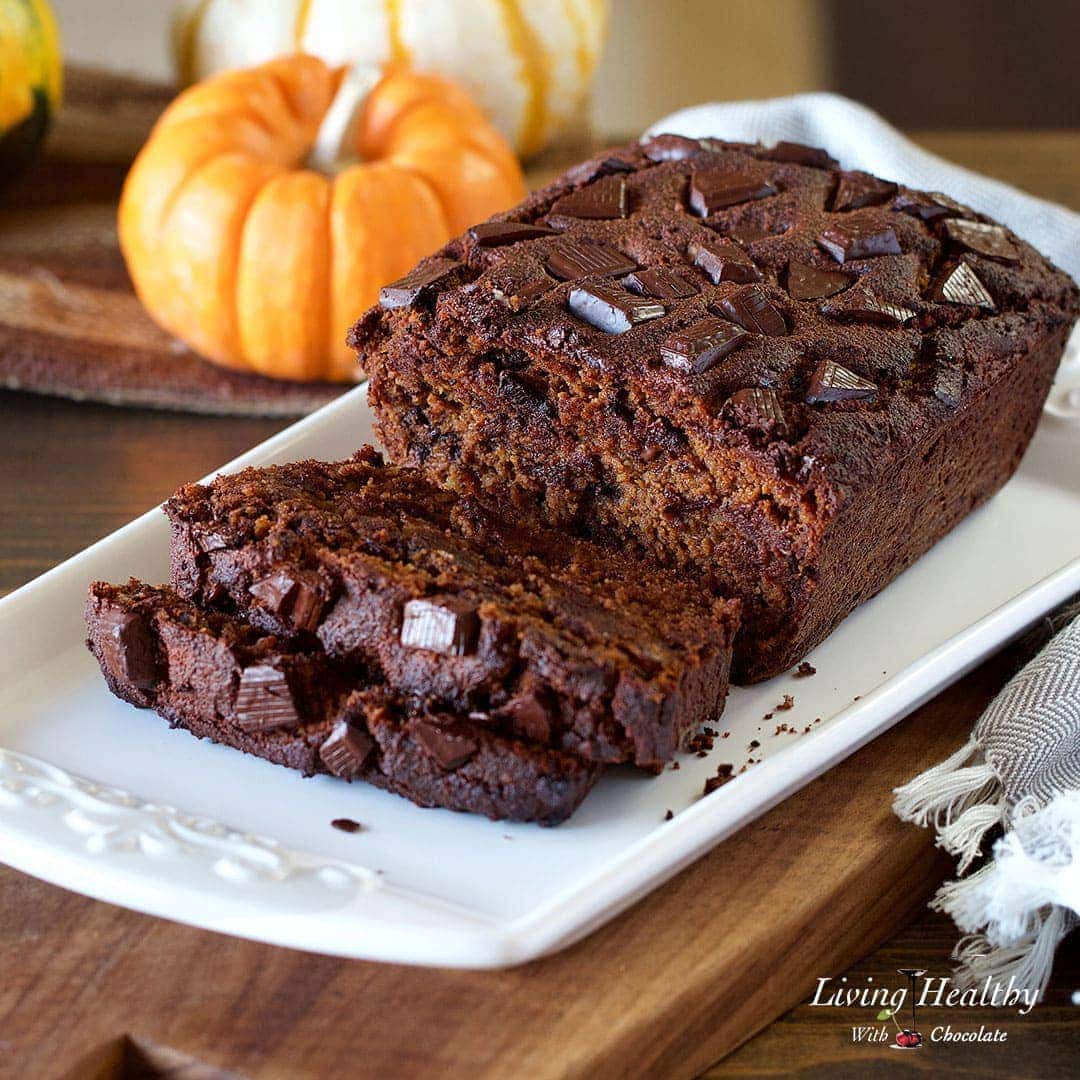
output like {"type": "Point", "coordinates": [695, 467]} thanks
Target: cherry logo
{"type": "Point", "coordinates": [909, 1038]}
{"type": "Point", "coordinates": [906, 1038]}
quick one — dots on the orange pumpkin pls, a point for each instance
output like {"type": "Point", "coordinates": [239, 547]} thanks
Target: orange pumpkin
{"type": "Point", "coordinates": [262, 264]}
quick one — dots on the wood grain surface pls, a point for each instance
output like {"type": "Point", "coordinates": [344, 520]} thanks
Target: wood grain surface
{"type": "Point", "coordinates": [827, 880]}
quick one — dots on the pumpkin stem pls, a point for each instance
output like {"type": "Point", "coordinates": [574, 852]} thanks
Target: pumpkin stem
{"type": "Point", "coordinates": [335, 147]}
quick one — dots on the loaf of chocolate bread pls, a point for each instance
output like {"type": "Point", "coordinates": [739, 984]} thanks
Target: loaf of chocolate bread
{"type": "Point", "coordinates": [785, 379]}
{"type": "Point", "coordinates": [556, 640]}
{"type": "Point", "coordinates": [222, 679]}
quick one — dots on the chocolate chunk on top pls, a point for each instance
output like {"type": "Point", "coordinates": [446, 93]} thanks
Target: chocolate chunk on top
{"type": "Point", "coordinates": [800, 154]}
{"type": "Point", "coordinates": [713, 189]}
{"type": "Point", "coordinates": [862, 302]}
{"type": "Point", "coordinates": [701, 346]}
{"type": "Point", "coordinates": [417, 283]}
{"type": "Point", "coordinates": [831, 382]}
{"type": "Point", "coordinates": [754, 311]}
{"type": "Point", "coordinates": [572, 259]}
{"type": "Point", "coordinates": [961, 285]}
{"type": "Point", "coordinates": [498, 233]}
{"type": "Point", "coordinates": [442, 624]}
{"type": "Point", "coordinates": [929, 205]}
{"type": "Point", "coordinates": [264, 700]}
{"type": "Point", "coordinates": [989, 240]}
{"type": "Point", "coordinates": [661, 283]}
{"type": "Point", "coordinates": [859, 238]}
{"type": "Point", "coordinates": [723, 260]}
{"type": "Point", "coordinates": [858, 189]}
{"type": "Point", "coordinates": [449, 748]}
{"type": "Point", "coordinates": [591, 169]}
{"type": "Point", "coordinates": [806, 282]}
{"type": "Point", "coordinates": [603, 199]}
{"type": "Point", "coordinates": [346, 750]}
{"type": "Point", "coordinates": [612, 308]}
{"type": "Point", "coordinates": [671, 148]}
{"type": "Point", "coordinates": [520, 294]}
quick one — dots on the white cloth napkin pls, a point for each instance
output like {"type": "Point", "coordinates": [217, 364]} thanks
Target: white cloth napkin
{"type": "Point", "coordinates": [860, 139]}
{"type": "Point", "coordinates": [1020, 771]}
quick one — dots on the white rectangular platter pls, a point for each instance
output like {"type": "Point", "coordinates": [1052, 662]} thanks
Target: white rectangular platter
{"type": "Point", "coordinates": [107, 800]}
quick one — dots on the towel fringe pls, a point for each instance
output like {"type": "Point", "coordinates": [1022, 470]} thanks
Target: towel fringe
{"type": "Point", "coordinates": [1017, 908]}
{"type": "Point", "coordinates": [943, 793]}
{"type": "Point", "coordinates": [964, 835]}
{"type": "Point", "coordinates": [1028, 962]}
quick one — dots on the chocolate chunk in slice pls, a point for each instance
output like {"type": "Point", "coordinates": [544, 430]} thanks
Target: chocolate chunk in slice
{"type": "Point", "coordinates": [806, 282]}
{"type": "Point", "coordinates": [961, 285]}
{"type": "Point", "coordinates": [528, 715]}
{"type": "Point", "coordinates": [671, 148]}
{"type": "Point", "coordinates": [442, 624]}
{"type": "Point", "coordinates": [723, 260]}
{"type": "Point", "coordinates": [612, 308]}
{"type": "Point", "coordinates": [863, 303]}
{"type": "Point", "coordinates": [859, 189]}
{"type": "Point", "coordinates": [661, 283]}
{"type": "Point", "coordinates": [127, 645]}
{"type": "Point", "coordinates": [291, 599]}
{"type": "Point", "coordinates": [498, 233]}
{"type": "Point", "coordinates": [832, 382]}
{"type": "Point", "coordinates": [752, 308]}
{"type": "Point", "coordinates": [602, 200]}
{"type": "Point", "coordinates": [572, 259]}
{"type": "Point", "coordinates": [714, 189]}
{"type": "Point", "coordinates": [449, 748]}
{"type": "Point", "coordinates": [930, 205]}
{"type": "Point", "coordinates": [859, 238]}
{"type": "Point", "coordinates": [417, 283]}
{"type": "Point", "coordinates": [697, 348]}
{"type": "Point", "coordinates": [757, 407]}
{"type": "Point", "coordinates": [264, 700]}
{"type": "Point", "coordinates": [346, 750]}
{"type": "Point", "coordinates": [794, 153]}
{"type": "Point", "coordinates": [989, 240]}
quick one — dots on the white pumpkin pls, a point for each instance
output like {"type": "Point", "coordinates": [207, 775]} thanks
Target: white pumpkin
{"type": "Point", "coordinates": [527, 63]}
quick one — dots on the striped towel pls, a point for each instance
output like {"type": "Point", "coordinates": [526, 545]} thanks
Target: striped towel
{"type": "Point", "coordinates": [1020, 772]}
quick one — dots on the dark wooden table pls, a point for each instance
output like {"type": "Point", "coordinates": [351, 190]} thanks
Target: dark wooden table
{"type": "Point", "coordinates": [71, 473]}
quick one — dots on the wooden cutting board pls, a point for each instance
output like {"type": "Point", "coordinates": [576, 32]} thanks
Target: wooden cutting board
{"type": "Point", "coordinates": [90, 990]}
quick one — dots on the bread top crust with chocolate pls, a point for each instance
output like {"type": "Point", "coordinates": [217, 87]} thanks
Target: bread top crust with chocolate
{"type": "Point", "coordinates": [819, 320]}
